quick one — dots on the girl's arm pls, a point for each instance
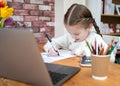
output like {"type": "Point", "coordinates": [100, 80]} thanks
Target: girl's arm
{"type": "Point", "coordinates": [60, 42]}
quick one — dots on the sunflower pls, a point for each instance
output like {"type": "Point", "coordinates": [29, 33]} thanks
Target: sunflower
{"type": "Point", "coordinates": [6, 12]}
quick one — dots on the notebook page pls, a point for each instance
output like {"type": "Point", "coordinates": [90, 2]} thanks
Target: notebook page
{"type": "Point", "coordinates": [63, 55]}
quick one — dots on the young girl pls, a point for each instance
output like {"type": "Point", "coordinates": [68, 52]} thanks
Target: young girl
{"type": "Point", "coordinates": [79, 23]}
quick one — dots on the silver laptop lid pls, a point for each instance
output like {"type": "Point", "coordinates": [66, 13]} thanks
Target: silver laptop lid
{"type": "Point", "coordinates": [20, 58]}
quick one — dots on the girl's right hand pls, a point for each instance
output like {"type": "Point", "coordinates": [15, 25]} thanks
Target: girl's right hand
{"type": "Point", "coordinates": [52, 52]}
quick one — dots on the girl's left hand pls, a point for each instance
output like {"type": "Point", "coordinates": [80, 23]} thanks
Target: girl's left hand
{"type": "Point", "coordinates": [77, 51]}
{"type": "Point", "coordinates": [73, 51]}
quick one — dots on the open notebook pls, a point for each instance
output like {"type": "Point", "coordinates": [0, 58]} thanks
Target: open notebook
{"type": "Point", "coordinates": [20, 60]}
{"type": "Point", "coordinates": [63, 55]}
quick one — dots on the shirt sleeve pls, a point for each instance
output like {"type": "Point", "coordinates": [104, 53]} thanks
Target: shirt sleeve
{"type": "Point", "coordinates": [60, 42]}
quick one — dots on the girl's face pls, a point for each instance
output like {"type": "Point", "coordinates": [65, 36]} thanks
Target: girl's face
{"type": "Point", "coordinates": [78, 32]}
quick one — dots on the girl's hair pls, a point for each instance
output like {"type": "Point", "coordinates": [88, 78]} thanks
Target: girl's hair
{"type": "Point", "coordinates": [80, 14]}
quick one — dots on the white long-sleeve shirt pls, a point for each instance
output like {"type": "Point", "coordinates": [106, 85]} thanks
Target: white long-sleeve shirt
{"type": "Point", "coordinates": [67, 42]}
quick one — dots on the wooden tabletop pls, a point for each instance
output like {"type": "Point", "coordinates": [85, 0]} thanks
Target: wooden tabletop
{"type": "Point", "coordinates": [82, 78]}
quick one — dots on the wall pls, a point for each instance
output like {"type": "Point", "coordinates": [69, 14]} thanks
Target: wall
{"type": "Point", "coordinates": [68, 3]}
{"type": "Point", "coordinates": [95, 7]}
{"type": "Point", "coordinates": [59, 14]}
{"type": "Point", "coordinates": [35, 14]}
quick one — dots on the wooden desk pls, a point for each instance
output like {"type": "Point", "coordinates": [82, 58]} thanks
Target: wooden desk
{"type": "Point", "coordinates": [83, 78]}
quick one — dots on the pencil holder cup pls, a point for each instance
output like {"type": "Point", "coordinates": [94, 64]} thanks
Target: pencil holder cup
{"type": "Point", "coordinates": [100, 66]}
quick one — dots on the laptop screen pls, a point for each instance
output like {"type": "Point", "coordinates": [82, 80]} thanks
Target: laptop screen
{"type": "Point", "coordinates": [20, 58]}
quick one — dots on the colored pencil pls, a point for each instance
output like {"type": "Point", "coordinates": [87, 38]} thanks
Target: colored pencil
{"type": "Point", "coordinates": [101, 51]}
{"type": "Point", "coordinates": [88, 45]}
{"type": "Point", "coordinates": [109, 47]}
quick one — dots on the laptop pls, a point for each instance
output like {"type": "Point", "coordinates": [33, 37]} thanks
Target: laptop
{"type": "Point", "coordinates": [20, 60]}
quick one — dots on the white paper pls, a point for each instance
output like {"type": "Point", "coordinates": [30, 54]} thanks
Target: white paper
{"type": "Point", "coordinates": [63, 55]}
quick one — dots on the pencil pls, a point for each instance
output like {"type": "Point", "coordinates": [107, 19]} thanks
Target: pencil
{"type": "Point", "coordinates": [52, 44]}
{"type": "Point", "coordinates": [94, 52]}
{"type": "Point", "coordinates": [107, 49]}
{"type": "Point", "coordinates": [111, 49]}
{"type": "Point", "coordinates": [101, 51]}
{"type": "Point", "coordinates": [109, 46]}
{"type": "Point", "coordinates": [112, 41]}
{"type": "Point", "coordinates": [88, 45]}
{"type": "Point", "coordinates": [95, 46]}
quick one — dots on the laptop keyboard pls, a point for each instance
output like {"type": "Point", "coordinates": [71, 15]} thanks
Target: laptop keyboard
{"type": "Point", "coordinates": [56, 77]}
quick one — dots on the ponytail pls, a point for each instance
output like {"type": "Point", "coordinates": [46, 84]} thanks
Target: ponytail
{"type": "Point", "coordinates": [97, 28]}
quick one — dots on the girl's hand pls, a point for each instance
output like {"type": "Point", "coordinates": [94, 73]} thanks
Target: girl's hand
{"type": "Point", "coordinates": [52, 52]}
{"type": "Point", "coordinates": [78, 52]}
{"type": "Point", "coordinates": [73, 51]}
